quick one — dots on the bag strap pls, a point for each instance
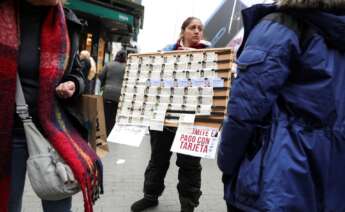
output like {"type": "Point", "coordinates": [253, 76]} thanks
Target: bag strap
{"type": "Point", "coordinates": [22, 109]}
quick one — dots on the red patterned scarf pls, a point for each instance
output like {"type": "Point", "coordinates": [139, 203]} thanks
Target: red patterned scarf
{"type": "Point", "coordinates": [55, 48]}
{"type": "Point", "coordinates": [200, 45]}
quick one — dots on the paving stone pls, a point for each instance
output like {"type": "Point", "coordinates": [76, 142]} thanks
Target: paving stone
{"type": "Point", "coordinates": [123, 184]}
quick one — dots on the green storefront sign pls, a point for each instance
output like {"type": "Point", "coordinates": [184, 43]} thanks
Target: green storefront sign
{"type": "Point", "coordinates": [100, 11]}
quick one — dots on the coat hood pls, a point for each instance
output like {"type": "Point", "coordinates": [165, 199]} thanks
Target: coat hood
{"type": "Point", "coordinates": [330, 23]}
{"type": "Point", "coordinates": [319, 4]}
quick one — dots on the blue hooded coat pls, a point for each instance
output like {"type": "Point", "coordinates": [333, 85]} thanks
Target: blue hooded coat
{"type": "Point", "coordinates": [283, 140]}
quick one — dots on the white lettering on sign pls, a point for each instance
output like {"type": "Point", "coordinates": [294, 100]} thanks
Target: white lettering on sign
{"type": "Point", "coordinates": [196, 141]}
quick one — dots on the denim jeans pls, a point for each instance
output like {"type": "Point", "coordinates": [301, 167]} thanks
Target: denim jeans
{"type": "Point", "coordinates": [19, 157]}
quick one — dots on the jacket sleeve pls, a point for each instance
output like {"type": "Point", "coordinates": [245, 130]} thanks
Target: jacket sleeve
{"type": "Point", "coordinates": [76, 76]}
{"type": "Point", "coordinates": [102, 76]}
{"type": "Point", "coordinates": [169, 47]}
{"type": "Point", "coordinates": [74, 69]}
{"type": "Point", "coordinates": [85, 67]}
{"type": "Point", "coordinates": [263, 68]}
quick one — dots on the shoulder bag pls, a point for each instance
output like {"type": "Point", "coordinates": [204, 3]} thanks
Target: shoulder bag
{"type": "Point", "coordinates": [50, 177]}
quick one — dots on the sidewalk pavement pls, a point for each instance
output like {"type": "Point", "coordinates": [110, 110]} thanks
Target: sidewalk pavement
{"type": "Point", "coordinates": [124, 170]}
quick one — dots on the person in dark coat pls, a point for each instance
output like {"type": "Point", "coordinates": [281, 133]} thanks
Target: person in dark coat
{"type": "Point", "coordinates": [283, 145]}
{"type": "Point", "coordinates": [189, 185]}
{"type": "Point", "coordinates": [111, 78]}
{"type": "Point", "coordinates": [39, 42]}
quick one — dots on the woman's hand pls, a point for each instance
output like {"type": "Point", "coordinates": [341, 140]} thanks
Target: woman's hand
{"type": "Point", "coordinates": [65, 90]}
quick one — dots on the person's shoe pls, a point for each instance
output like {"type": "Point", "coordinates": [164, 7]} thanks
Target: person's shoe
{"type": "Point", "coordinates": [143, 204]}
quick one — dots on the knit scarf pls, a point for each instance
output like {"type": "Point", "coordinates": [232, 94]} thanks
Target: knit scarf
{"type": "Point", "coordinates": [55, 48]}
{"type": "Point", "coordinates": [179, 45]}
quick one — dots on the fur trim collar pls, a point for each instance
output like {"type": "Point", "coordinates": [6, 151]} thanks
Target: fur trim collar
{"type": "Point", "coordinates": [317, 4]}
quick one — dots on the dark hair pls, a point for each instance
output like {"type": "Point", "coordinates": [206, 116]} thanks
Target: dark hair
{"type": "Point", "coordinates": [187, 22]}
{"type": "Point", "coordinates": [121, 56]}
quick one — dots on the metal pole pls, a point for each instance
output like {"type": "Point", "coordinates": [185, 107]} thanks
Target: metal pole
{"type": "Point", "coordinates": [232, 16]}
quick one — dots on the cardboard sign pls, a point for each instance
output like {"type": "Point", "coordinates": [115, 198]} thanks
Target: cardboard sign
{"type": "Point", "coordinates": [127, 134]}
{"type": "Point", "coordinates": [92, 109]}
{"type": "Point", "coordinates": [196, 141]}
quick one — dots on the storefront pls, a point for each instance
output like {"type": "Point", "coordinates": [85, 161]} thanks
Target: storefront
{"type": "Point", "coordinates": [108, 22]}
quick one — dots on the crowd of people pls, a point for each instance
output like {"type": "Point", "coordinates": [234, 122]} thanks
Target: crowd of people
{"type": "Point", "coordinates": [282, 144]}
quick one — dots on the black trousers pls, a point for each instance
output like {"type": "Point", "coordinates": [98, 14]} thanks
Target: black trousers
{"type": "Point", "coordinates": [110, 109]}
{"type": "Point", "coordinates": [189, 175]}
{"type": "Point", "coordinates": [233, 208]}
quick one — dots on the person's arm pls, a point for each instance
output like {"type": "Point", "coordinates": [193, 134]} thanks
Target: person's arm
{"type": "Point", "coordinates": [85, 66]}
{"type": "Point", "coordinates": [72, 83]}
{"type": "Point", "coordinates": [263, 68]}
{"type": "Point", "coordinates": [102, 76]}
{"type": "Point", "coordinates": [169, 48]}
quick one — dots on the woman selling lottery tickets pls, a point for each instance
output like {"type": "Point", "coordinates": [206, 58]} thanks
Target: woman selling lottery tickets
{"type": "Point", "coordinates": [189, 167]}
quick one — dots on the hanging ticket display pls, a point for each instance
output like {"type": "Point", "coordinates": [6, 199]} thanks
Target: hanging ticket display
{"type": "Point", "coordinates": [175, 89]}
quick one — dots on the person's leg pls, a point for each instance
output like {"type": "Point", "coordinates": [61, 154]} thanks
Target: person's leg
{"type": "Point", "coordinates": [110, 109]}
{"type": "Point", "coordinates": [189, 185]}
{"type": "Point", "coordinates": [156, 169]}
{"type": "Point", "coordinates": [18, 170]}
{"type": "Point", "coordinates": [113, 111]}
{"type": "Point", "coordinates": [64, 205]}
{"type": "Point", "coordinates": [159, 163]}
{"type": "Point", "coordinates": [232, 208]}
{"type": "Point", "coordinates": [107, 106]}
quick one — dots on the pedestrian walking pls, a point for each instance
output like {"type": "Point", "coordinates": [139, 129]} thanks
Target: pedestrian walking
{"type": "Point", "coordinates": [282, 146]}
{"type": "Point", "coordinates": [111, 80]}
{"type": "Point", "coordinates": [37, 42]}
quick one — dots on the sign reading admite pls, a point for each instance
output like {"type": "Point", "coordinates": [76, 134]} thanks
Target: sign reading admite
{"type": "Point", "coordinates": [196, 141]}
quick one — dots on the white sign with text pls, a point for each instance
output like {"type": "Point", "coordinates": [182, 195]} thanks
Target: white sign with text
{"type": "Point", "coordinates": [127, 134]}
{"type": "Point", "coordinates": [196, 141]}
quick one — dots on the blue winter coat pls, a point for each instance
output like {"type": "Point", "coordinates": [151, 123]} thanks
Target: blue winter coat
{"type": "Point", "coordinates": [170, 47]}
{"type": "Point", "coordinates": [283, 141]}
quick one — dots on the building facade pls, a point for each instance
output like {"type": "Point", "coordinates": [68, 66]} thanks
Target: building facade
{"type": "Point", "coordinates": [108, 24]}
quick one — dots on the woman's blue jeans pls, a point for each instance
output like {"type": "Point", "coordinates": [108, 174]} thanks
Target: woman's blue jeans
{"type": "Point", "coordinates": [19, 157]}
